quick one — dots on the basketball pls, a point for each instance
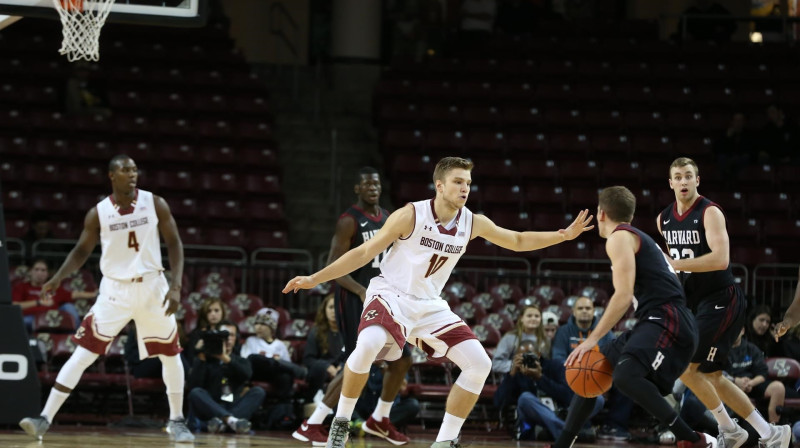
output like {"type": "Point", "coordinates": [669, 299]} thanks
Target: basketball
{"type": "Point", "coordinates": [591, 376]}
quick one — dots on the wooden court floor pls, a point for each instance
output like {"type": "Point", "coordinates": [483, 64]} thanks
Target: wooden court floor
{"type": "Point", "coordinates": [105, 437]}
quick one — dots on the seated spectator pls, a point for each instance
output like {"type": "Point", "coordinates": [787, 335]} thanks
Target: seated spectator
{"type": "Point", "coordinates": [748, 370]}
{"type": "Point", "coordinates": [269, 356]}
{"type": "Point", "coordinates": [530, 376]}
{"type": "Point", "coordinates": [323, 352]}
{"type": "Point", "coordinates": [759, 331]}
{"type": "Point", "coordinates": [734, 150]}
{"type": "Point", "coordinates": [717, 30]}
{"type": "Point", "coordinates": [528, 328]}
{"type": "Point", "coordinates": [550, 324]}
{"type": "Point", "coordinates": [212, 312]}
{"type": "Point", "coordinates": [569, 336]}
{"type": "Point", "coordinates": [779, 138]}
{"type": "Point", "coordinates": [218, 384]}
{"type": "Point", "coordinates": [28, 296]}
{"type": "Point", "coordinates": [405, 407]}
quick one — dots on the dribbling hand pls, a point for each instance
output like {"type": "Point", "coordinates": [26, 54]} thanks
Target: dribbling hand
{"type": "Point", "coordinates": [48, 290]}
{"type": "Point", "coordinates": [781, 328]}
{"type": "Point", "coordinates": [577, 354]}
{"type": "Point", "coordinates": [578, 226]}
{"type": "Point", "coordinates": [300, 282]}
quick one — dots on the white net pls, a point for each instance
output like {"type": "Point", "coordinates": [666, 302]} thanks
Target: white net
{"type": "Point", "coordinates": [82, 21]}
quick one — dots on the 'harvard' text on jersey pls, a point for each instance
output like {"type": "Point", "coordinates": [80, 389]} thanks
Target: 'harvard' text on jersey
{"type": "Point", "coordinates": [367, 226]}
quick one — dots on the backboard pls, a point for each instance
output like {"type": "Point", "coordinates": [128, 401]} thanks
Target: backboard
{"type": "Point", "coordinates": [179, 13]}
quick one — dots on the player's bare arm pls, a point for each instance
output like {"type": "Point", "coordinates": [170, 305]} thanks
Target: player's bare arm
{"type": "Point", "coordinates": [79, 254]}
{"type": "Point", "coordinates": [169, 231]}
{"type": "Point", "coordinates": [526, 241]}
{"type": "Point", "coordinates": [399, 224]}
{"type": "Point", "coordinates": [792, 314]}
{"type": "Point", "coordinates": [340, 244]}
{"type": "Point", "coordinates": [621, 248]}
{"type": "Point", "coordinates": [717, 238]}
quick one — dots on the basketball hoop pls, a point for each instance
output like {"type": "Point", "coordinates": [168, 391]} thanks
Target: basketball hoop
{"type": "Point", "coordinates": [82, 21]}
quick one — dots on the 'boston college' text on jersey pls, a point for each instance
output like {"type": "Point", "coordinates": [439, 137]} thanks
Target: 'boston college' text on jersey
{"type": "Point", "coordinates": [129, 238]}
{"type": "Point", "coordinates": [686, 237]}
{"type": "Point", "coordinates": [420, 264]}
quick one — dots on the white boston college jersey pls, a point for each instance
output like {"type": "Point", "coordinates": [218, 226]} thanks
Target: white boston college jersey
{"type": "Point", "coordinates": [421, 264]}
{"type": "Point", "coordinates": [129, 238]}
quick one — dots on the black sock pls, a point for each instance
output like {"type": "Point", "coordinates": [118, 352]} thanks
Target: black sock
{"type": "Point", "coordinates": [629, 377]}
{"type": "Point", "coordinates": [579, 411]}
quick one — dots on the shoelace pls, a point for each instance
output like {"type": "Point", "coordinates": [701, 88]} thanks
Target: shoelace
{"type": "Point", "coordinates": [340, 431]}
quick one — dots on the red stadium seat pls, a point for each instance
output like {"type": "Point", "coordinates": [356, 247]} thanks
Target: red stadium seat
{"type": "Point", "coordinates": [532, 301]}
{"type": "Point", "coordinates": [599, 296]}
{"type": "Point", "coordinates": [461, 290]}
{"type": "Point", "coordinates": [296, 329]}
{"type": "Point", "coordinates": [54, 321]}
{"type": "Point", "coordinates": [501, 321]}
{"type": "Point", "coordinates": [248, 304]}
{"type": "Point", "coordinates": [487, 335]}
{"type": "Point", "coordinates": [469, 312]}
{"type": "Point", "coordinates": [507, 292]}
{"type": "Point", "coordinates": [548, 293]}
{"type": "Point", "coordinates": [489, 302]}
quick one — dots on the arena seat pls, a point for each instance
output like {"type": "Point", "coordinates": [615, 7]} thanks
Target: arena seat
{"type": "Point", "coordinates": [500, 321]}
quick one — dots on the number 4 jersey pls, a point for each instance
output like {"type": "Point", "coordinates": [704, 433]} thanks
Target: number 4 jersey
{"type": "Point", "coordinates": [129, 238]}
{"type": "Point", "coordinates": [686, 238]}
{"type": "Point", "coordinates": [420, 264]}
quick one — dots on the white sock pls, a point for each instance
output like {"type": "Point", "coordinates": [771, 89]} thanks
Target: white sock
{"type": "Point", "coordinates": [723, 419]}
{"type": "Point", "coordinates": [346, 407]}
{"type": "Point", "coordinates": [175, 400]}
{"type": "Point", "coordinates": [382, 409]}
{"type": "Point", "coordinates": [54, 402]}
{"type": "Point", "coordinates": [232, 422]}
{"type": "Point", "coordinates": [319, 414]}
{"type": "Point", "coordinates": [759, 424]}
{"type": "Point", "coordinates": [451, 426]}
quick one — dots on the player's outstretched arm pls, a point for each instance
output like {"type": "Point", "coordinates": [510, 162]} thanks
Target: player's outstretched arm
{"type": "Point", "coordinates": [79, 254]}
{"type": "Point", "coordinates": [169, 231]}
{"type": "Point", "coordinates": [621, 249]}
{"type": "Point", "coordinates": [399, 224]}
{"type": "Point", "coordinates": [525, 241]}
{"type": "Point", "coordinates": [717, 238]}
{"type": "Point", "coordinates": [792, 314]}
{"type": "Point", "coordinates": [340, 244]}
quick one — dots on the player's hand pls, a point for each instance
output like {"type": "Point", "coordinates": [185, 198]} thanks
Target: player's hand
{"type": "Point", "coordinates": [579, 351]}
{"type": "Point", "coordinates": [578, 226]}
{"type": "Point", "coordinates": [46, 300]}
{"type": "Point", "coordinates": [781, 328]}
{"type": "Point", "coordinates": [48, 290]}
{"type": "Point", "coordinates": [300, 282]}
{"type": "Point", "coordinates": [174, 298]}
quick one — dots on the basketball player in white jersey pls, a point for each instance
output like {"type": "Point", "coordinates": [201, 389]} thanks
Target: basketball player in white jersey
{"type": "Point", "coordinates": [404, 304]}
{"type": "Point", "coordinates": [127, 223]}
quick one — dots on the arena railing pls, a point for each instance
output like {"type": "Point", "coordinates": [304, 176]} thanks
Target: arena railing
{"type": "Point", "coordinates": [271, 269]}
{"type": "Point", "coordinates": [774, 284]}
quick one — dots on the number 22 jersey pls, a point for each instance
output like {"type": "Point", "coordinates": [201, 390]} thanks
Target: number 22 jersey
{"type": "Point", "coordinates": [420, 264]}
{"type": "Point", "coordinates": [129, 238]}
{"type": "Point", "coordinates": [686, 238]}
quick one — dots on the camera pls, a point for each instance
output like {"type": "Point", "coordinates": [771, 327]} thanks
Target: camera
{"type": "Point", "coordinates": [214, 341]}
{"type": "Point", "coordinates": [529, 360]}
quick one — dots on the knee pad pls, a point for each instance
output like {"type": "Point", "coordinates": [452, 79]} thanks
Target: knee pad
{"type": "Point", "coordinates": [71, 372]}
{"type": "Point", "coordinates": [474, 363]}
{"type": "Point", "coordinates": [172, 372]}
{"type": "Point", "coordinates": [371, 341]}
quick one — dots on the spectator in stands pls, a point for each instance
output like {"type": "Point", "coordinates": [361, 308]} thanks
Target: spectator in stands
{"type": "Point", "coordinates": [759, 329]}
{"type": "Point", "coordinates": [530, 375]}
{"type": "Point", "coordinates": [28, 296]}
{"type": "Point", "coordinates": [747, 369]}
{"type": "Point", "coordinates": [218, 384]}
{"type": "Point", "coordinates": [779, 139]}
{"type": "Point", "coordinates": [477, 22]}
{"type": "Point", "coordinates": [516, 18]}
{"type": "Point", "coordinates": [212, 312]}
{"type": "Point", "coordinates": [405, 407]}
{"type": "Point", "coordinates": [269, 356]}
{"type": "Point", "coordinates": [528, 328]}
{"type": "Point", "coordinates": [550, 324]}
{"type": "Point", "coordinates": [323, 355]}
{"type": "Point", "coordinates": [570, 335]}
{"type": "Point", "coordinates": [577, 328]}
{"type": "Point", "coordinates": [40, 228]}
{"type": "Point", "coordinates": [85, 95]}
{"type": "Point", "coordinates": [701, 28]}
{"type": "Point", "coordinates": [734, 150]}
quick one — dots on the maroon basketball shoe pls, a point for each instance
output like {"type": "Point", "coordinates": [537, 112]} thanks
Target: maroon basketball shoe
{"type": "Point", "coordinates": [385, 430]}
{"type": "Point", "coordinates": [316, 434]}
